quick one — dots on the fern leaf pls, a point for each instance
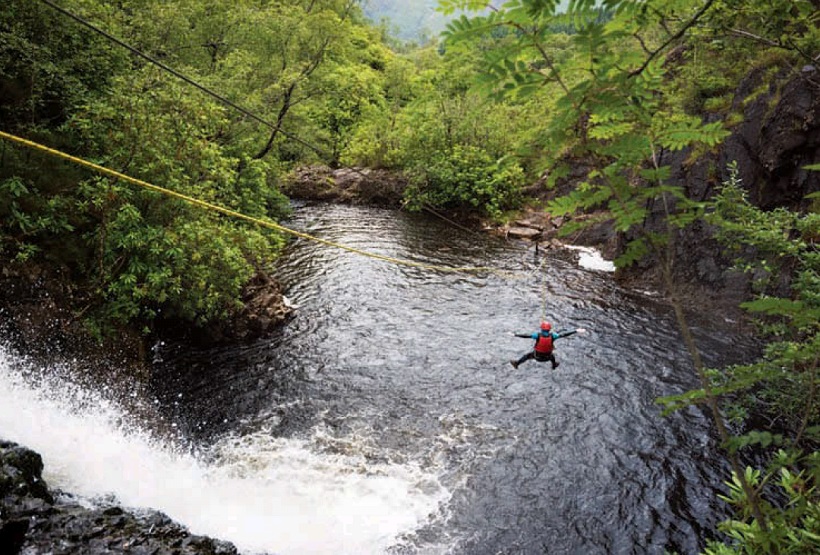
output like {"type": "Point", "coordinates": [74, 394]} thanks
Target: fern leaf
{"type": "Point", "coordinates": [610, 130]}
{"type": "Point", "coordinates": [635, 251]}
{"type": "Point", "coordinates": [574, 226]}
{"type": "Point", "coordinates": [799, 314]}
{"type": "Point", "coordinates": [541, 8]}
{"type": "Point", "coordinates": [685, 131]}
{"type": "Point", "coordinates": [626, 214]}
{"type": "Point", "coordinates": [655, 175]}
{"type": "Point", "coordinates": [464, 27]}
{"type": "Point", "coordinates": [585, 196]}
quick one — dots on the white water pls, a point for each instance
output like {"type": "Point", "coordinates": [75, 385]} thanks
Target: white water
{"type": "Point", "coordinates": [591, 259]}
{"type": "Point", "coordinates": [262, 493]}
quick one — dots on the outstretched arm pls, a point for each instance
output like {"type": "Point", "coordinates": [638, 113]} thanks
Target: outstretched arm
{"type": "Point", "coordinates": [524, 335]}
{"type": "Point", "coordinates": [566, 333]}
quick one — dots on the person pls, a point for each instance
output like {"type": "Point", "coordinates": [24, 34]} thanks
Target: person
{"type": "Point", "coordinates": [543, 349]}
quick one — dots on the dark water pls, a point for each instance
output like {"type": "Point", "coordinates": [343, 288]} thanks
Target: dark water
{"type": "Point", "coordinates": [578, 460]}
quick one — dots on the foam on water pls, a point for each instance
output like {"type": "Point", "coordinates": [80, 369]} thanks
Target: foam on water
{"type": "Point", "coordinates": [265, 494]}
{"type": "Point", "coordinates": [591, 259]}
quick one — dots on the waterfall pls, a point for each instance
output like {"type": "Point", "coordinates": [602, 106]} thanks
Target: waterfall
{"type": "Point", "coordinates": [263, 493]}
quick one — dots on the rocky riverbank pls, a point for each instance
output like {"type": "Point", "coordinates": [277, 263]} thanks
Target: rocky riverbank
{"type": "Point", "coordinates": [774, 137]}
{"type": "Point", "coordinates": [41, 314]}
{"type": "Point", "coordinates": [35, 519]}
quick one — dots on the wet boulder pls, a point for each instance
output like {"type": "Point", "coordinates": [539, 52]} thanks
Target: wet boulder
{"type": "Point", "coordinates": [21, 473]}
{"type": "Point", "coordinates": [34, 519]}
{"type": "Point", "coordinates": [266, 308]}
{"type": "Point", "coordinates": [527, 233]}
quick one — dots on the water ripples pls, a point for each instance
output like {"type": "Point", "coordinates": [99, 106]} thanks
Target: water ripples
{"type": "Point", "coordinates": [576, 460]}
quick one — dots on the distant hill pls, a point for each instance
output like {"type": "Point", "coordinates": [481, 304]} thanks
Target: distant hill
{"type": "Point", "coordinates": [409, 19]}
{"type": "Point", "coordinates": [412, 19]}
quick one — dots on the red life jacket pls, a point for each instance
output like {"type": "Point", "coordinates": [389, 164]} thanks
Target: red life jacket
{"type": "Point", "coordinates": [543, 344]}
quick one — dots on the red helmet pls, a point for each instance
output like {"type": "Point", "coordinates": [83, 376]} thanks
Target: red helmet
{"type": "Point", "coordinates": [546, 326]}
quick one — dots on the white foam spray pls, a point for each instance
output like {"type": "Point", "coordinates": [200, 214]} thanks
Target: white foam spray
{"type": "Point", "coordinates": [264, 494]}
{"type": "Point", "coordinates": [591, 259]}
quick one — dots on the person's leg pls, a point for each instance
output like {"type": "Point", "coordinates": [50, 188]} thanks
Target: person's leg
{"type": "Point", "coordinates": [554, 362]}
{"type": "Point", "coordinates": [523, 359]}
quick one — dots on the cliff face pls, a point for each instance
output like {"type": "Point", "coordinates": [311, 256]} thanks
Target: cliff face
{"type": "Point", "coordinates": [778, 136]}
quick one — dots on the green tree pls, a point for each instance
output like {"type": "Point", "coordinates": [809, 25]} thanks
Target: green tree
{"type": "Point", "coordinates": [296, 43]}
{"type": "Point", "coordinates": [376, 138]}
{"type": "Point", "coordinates": [437, 126]}
{"type": "Point", "coordinates": [47, 70]}
{"type": "Point", "coordinates": [782, 385]}
{"type": "Point", "coordinates": [354, 92]}
{"type": "Point", "coordinates": [466, 177]}
{"type": "Point", "coordinates": [157, 254]}
{"type": "Point", "coordinates": [48, 67]}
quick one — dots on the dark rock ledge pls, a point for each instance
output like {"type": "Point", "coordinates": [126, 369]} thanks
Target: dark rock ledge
{"type": "Point", "coordinates": [374, 187]}
{"type": "Point", "coordinates": [35, 519]}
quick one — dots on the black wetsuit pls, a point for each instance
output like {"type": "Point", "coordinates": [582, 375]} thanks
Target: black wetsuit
{"type": "Point", "coordinates": [540, 356]}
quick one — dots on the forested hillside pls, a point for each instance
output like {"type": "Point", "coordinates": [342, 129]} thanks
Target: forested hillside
{"type": "Point", "coordinates": [301, 74]}
{"type": "Point", "coordinates": [412, 20]}
{"type": "Point", "coordinates": [629, 113]}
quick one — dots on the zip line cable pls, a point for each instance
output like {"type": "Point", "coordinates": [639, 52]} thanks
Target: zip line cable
{"type": "Point", "coordinates": [238, 215]}
{"type": "Point", "coordinates": [213, 207]}
{"type": "Point", "coordinates": [181, 76]}
{"type": "Point", "coordinates": [204, 89]}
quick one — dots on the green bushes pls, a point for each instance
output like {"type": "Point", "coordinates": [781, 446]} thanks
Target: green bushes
{"type": "Point", "coordinates": [159, 256]}
{"type": "Point", "coordinates": [793, 524]}
{"type": "Point", "coordinates": [465, 178]}
{"type": "Point", "coordinates": [136, 255]}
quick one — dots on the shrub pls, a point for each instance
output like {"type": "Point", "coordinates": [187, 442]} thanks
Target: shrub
{"type": "Point", "coordinates": [466, 178]}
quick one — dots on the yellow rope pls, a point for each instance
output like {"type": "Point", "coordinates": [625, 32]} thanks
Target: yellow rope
{"type": "Point", "coordinates": [228, 212]}
{"type": "Point", "coordinates": [543, 290]}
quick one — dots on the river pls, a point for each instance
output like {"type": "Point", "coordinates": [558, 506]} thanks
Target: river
{"type": "Point", "coordinates": [385, 416]}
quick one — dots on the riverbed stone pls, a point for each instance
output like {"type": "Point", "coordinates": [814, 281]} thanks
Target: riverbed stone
{"type": "Point", "coordinates": [528, 233]}
{"type": "Point", "coordinates": [21, 473]}
{"type": "Point", "coordinates": [528, 223]}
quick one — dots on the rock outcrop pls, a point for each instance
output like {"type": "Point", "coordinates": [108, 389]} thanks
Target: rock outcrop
{"type": "Point", "coordinates": [33, 519]}
{"type": "Point", "coordinates": [778, 136]}
{"type": "Point", "coordinates": [348, 185]}
{"type": "Point", "coordinates": [266, 308]}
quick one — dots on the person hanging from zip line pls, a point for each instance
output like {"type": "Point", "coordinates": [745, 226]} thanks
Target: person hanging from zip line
{"type": "Point", "coordinates": [543, 349]}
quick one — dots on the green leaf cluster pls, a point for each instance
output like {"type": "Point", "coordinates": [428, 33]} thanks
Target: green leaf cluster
{"type": "Point", "coordinates": [466, 178]}
{"type": "Point", "coordinates": [794, 524]}
{"type": "Point", "coordinates": [769, 243]}
{"type": "Point", "coordinates": [30, 218]}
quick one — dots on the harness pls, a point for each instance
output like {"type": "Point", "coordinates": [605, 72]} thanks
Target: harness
{"type": "Point", "coordinates": [543, 345]}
